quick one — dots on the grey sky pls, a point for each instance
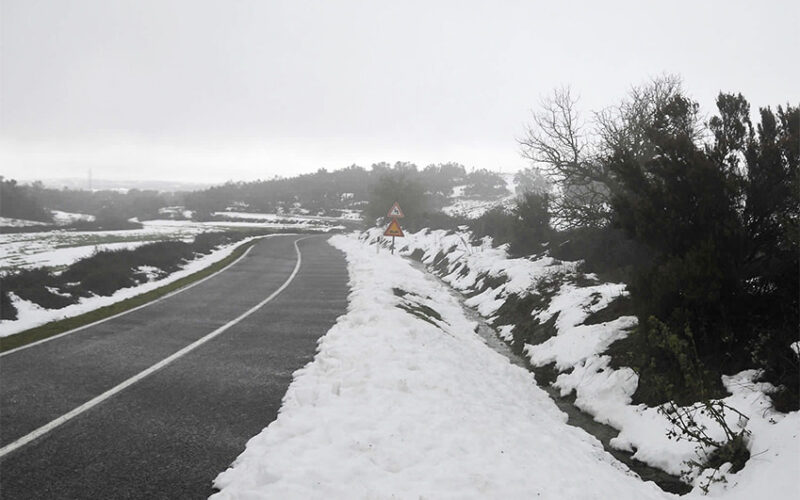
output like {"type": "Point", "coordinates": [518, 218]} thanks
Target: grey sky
{"type": "Point", "coordinates": [210, 91]}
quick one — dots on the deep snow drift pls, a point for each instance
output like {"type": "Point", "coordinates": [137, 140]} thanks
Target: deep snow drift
{"type": "Point", "coordinates": [404, 400]}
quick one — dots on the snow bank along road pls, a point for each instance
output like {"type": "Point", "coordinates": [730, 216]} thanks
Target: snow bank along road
{"type": "Point", "coordinates": [404, 401]}
{"type": "Point", "coordinates": [170, 433]}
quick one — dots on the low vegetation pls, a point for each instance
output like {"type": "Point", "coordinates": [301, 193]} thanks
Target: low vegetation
{"type": "Point", "coordinates": [105, 272]}
{"type": "Point", "coordinates": [700, 219]}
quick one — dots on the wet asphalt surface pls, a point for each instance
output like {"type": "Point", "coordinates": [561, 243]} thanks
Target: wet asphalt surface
{"type": "Point", "coordinates": [170, 434]}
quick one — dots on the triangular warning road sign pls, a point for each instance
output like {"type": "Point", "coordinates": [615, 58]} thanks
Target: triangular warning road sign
{"type": "Point", "coordinates": [396, 212]}
{"type": "Point", "coordinates": [393, 229]}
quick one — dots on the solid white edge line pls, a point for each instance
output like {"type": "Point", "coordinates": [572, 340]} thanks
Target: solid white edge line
{"type": "Point", "coordinates": [164, 362]}
{"type": "Point", "coordinates": [170, 294]}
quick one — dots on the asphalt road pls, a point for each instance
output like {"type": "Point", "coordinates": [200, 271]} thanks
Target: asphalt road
{"type": "Point", "coordinates": [169, 434]}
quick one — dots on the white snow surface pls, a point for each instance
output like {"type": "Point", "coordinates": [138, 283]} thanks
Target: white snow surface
{"type": "Point", "coordinates": [30, 315]}
{"type": "Point", "coordinates": [61, 257]}
{"type": "Point", "coordinates": [11, 222]}
{"type": "Point", "coordinates": [473, 208]}
{"type": "Point", "coordinates": [61, 248]}
{"type": "Point", "coordinates": [393, 406]}
{"type": "Point", "coordinates": [65, 218]}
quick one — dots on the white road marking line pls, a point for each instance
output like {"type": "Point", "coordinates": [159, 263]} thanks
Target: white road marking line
{"type": "Point", "coordinates": [164, 362]}
{"type": "Point", "coordinates": [170, 294]}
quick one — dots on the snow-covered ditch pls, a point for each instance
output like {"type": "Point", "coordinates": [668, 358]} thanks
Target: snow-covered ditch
{"type": "Point", "coordinates": [30, 315]}
{"type": "Point", "coordinates": [404, 400]}
{"type": "Point", "coordinates": [577, 352]}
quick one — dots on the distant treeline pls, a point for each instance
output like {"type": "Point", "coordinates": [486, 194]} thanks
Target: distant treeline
{"type": "Point", "coordinates": [374, 190]}
{"type": "Point", "coordinates": [320, 193]}
{"type": "Point", "coordinates": [21, 202]}
{"type": "Point", "coordinates": [111, 209]}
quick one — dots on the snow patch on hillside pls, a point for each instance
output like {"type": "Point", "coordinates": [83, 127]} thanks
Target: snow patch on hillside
{"type": "Point", "coordinates": [65, 218]}
{"type": "Point", "coordinates": [472, 208]}
{"type": "Point", "coordinates": [11, 222]}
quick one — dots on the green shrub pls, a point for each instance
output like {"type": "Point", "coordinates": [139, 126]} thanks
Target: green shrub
{"type": "Point", "coordinates": [606, 251]}
{"type": "Point", "coordinates": [36, 285]}
{"type": "Point", "coordinates": [497, 223]}
{"type": "Point", "coordinates": [668, 365]}
{"type": "Point", "coordinates": [526, 228]}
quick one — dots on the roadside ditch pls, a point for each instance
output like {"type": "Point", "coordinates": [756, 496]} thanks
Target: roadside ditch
{"type": "Point", "coordinates": [576, 417]}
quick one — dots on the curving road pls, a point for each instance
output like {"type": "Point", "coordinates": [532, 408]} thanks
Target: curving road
{"type": "Point", "coordinates": [167, 434]}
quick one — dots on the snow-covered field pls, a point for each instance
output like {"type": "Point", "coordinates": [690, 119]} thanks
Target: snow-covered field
{"type": "Point", "coordinates": [59, 218]}
{"type": "Point", "coordinates": [61, 248]}
{"type": "Point", "coordinates": [64, 218]}
{"type": "Point", "coordinates": [9, 222]}
{"type": "Point", "coordinates": [31, 315]}
{"type": "Point", "coordinates": [402, 402]}
{"type": "Point", "coordinates": [472, 209]}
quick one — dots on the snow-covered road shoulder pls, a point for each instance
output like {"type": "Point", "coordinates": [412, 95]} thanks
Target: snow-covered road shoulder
{"type": "Point", "coordinates": [403, 400]}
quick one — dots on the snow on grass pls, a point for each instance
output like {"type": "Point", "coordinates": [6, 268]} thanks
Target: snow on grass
{"type": "Point", "coordinates": [10, 222]}
{"type": "Point", "coordinates": [30, 315]}
{"type": "Point", "coordinates": [65, 218]}
{"type": "Point", "coordinates": [578, 350]}
{"type": "Point", "coordinates": [61, 248]}
{"type": "Point", "coordinates": [402, 402]}
{"type": "Point", "coordinates": [62, 257]}
{"type": "Point", "coordinates": [470, 208]}
{"type": "Point", "coordinates": [578, 343]}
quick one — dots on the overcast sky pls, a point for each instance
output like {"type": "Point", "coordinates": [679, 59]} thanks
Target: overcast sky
{"type": "Point", "coordinates": [214, 90]}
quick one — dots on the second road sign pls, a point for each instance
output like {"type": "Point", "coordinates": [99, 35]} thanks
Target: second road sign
{"type": "Point", "coordinates": [395, 211]}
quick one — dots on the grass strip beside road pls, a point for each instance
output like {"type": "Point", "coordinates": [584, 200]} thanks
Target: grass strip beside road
{"type": "Point", "coordinates": [63, 325]}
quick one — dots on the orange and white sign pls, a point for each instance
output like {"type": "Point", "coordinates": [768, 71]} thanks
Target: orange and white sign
{"type": "Point", "coordinates": [395, 212]}
{"type": "Point", "coordinates": [394, 229]}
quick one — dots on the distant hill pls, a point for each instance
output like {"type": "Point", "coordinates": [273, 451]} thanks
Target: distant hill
{"type": "Point", "coordinates": [353, 192]}
{"type": "Point", "coordinates": [122, 186]}
{"type": "Point", "coordinates": [329, 193]}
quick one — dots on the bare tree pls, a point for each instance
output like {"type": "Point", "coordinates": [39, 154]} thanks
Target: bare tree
{"type": "Point", "coordinates": [625, 127]}
{"type": "Point", "coordinates": [558, 143]}
{"type": "Point", "coordinates": [578, 157]}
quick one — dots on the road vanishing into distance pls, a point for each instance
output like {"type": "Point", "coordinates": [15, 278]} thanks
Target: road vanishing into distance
{"type": "Point", "coordinates": [168, 432]}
